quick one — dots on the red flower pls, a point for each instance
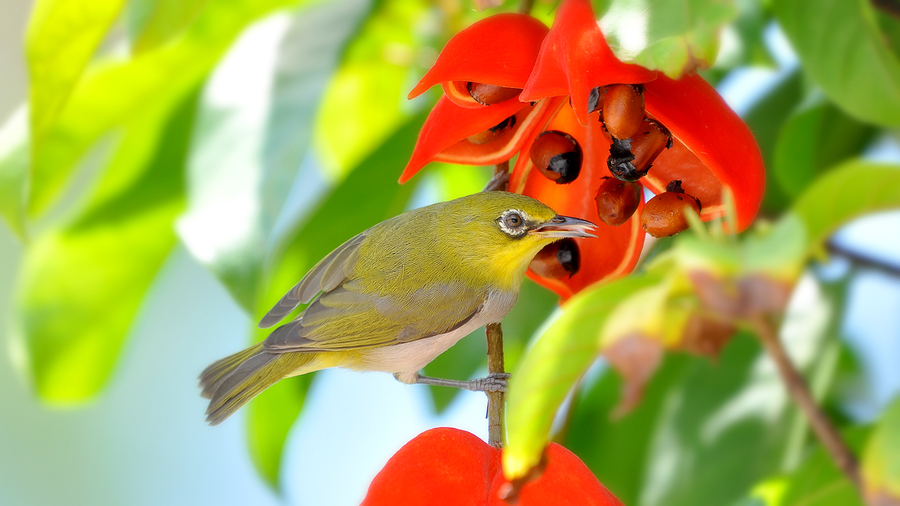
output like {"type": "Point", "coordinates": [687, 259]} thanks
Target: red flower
{"type": "Point", "coordinates": [450, 467]}
{"type": "Point", "coordinates": [646, 129]}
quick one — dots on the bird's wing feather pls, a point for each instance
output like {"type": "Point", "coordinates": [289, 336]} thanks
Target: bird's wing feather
{"type": "Point", "coordinates": [348, 318]}
{"type": "Point", "coordinates": [327, 275]}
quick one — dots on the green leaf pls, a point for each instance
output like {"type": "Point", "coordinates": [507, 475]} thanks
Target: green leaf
{"type": "Point", "coordinates": [115, 93]}
{"type": "Point", "coordinates": [817, 482]}
{"type": "Point", "coordinates": [61, 38]}
{"type": "Point", "coordinates": [366, 98]}
{"type": "Point", "coordinates": [552, 367]}
{"type": "Point", "coordinates": [370, 194]}
{"type": "Point", "coordinates": [673, 36]}
{"type": "Point", "coordinates": [849, 191]}
{"type": "Point", "coordinates": [880, 468]}
{"type": "Point", "coordinates": [813, 140]}
{"type": "Point", "coordinates": [766, 119]}
{"type": "Point", "coordinates": [841, 48]}
{"type": "Point", "coordinates": [249, 149]}
{"type": "Point", "coordinates": [153, 23]}
{"type": "Point", "coordinates": [14, 159]}
{"type": "Point", "coordinates": [82, 284]}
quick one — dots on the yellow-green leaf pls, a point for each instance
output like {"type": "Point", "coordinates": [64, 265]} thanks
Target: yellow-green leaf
{"type": "Point", "coordinates": [881, 459]}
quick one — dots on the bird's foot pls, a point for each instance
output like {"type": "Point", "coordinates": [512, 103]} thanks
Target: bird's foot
{"type": "Point", "coordinates": [494, 382]}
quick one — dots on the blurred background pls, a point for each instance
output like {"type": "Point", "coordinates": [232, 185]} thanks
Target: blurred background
{"type": "Point", "coordinates": [216, 149]}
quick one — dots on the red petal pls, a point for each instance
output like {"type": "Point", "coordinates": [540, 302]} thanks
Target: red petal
{"type": "Point", "coordinates": [443, 466]}
{"type": "Point", "coordinates": [714, 148]}
{"type": "Point", "coordinates": [499, 50]}
{"type": "Point", "coordinates": [575, 58]}
{"type": "Point", "coordinates": [443, 136]}
{"type": "Point", "coordinates": [617, 249]}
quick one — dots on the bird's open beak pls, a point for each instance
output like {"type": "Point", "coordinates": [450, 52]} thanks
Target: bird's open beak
{"type": "Point", "coordinates": [564, 226]}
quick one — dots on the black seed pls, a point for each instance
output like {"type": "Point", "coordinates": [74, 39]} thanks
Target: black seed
{"type": "Point", "coordinates": [619, 161]}
{"type": "Point", "coordinates": [594, 99]}
{"type": "Point", "coordinates": [568, 256]}
{"type": "Point", "coordinates": [507, 123]}
{"type": "Point", "coordinates": [567, 165]}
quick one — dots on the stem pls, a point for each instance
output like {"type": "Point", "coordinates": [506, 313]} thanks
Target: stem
{"type": "Point", "coordinates": [862, 259]}
{"type": "Point", "coordinates": [826, 432]}
{"type": "Point", "coordinates": [496, 400]}
{"type": "Point", "coordinates": [525, 6]}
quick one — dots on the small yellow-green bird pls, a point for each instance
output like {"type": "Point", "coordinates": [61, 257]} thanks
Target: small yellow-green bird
{"type": "Point", "coordinates": [397, 295]}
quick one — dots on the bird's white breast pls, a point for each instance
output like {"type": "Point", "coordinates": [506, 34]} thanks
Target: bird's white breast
{"type": "Point", "coordinates": [407, 359]}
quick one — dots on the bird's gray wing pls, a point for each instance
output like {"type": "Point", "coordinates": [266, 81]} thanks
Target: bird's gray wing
{"type": "Point", "coordinates": [347, 318]}
{"type": "Point", "coordinates": [327, 275]}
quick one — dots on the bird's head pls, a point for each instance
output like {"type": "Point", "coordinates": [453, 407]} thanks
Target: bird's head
{"type": "Point", "coordinates": [503, 231]}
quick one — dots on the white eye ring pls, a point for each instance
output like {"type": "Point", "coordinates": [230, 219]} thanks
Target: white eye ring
{"type": "Point", "coordinates": [512, 222]}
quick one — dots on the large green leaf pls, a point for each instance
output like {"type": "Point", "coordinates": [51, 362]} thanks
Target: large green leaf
{"type": "Point", "coordinates": [552, 367]}
{"type": "Point", "coordinates": [881, 458]}
{"type": "Point", "coordinates": [252, 139]}
{"type": "Point", "coordinates": [766, 118]}
{"type": "Point", "coordinates": [849, 191]}
{"type": "Point", "coordinates": [366, 98]}
{"type": "Point", "coordinates": [82, 284]}
{"type": "Point", "coordinates": [14, 160]}
{"type": "Point", "coordinates": [62, 36]}
{"type": "Point", "coordinates": [673, 36]}
{"type": "Point", "coordinates": [369, 194]}
{"type": "Point", "coordinates": [115, 93]}
{"type": "Point", "coordinates": [842, 49]}
{"type": "Point", "coordinates": [814, 139]}
{"type": "Point", "coordinates": [153, 23]}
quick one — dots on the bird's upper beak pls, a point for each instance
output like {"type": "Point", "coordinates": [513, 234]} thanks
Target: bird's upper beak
{"type": "Point", "coordinates": [564, 226]}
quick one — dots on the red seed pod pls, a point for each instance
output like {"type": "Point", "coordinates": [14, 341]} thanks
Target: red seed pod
{"type": "Point", "coordinates": [491, 134]}
{"type": "Point", "coordinates": [623, 110]}
{"type": "Point", "coordinates": [557, 260]}
{"type": "Point", "coordinates": [649, 141]}
{"type": "Point", "coordinates": [663, 215]}
{"type": "Point", "coordinates": [617, 200]}
{"type": "Point", "coordinates": [557, 155]}
{"type": "Point", "coordinates": [490, 94]}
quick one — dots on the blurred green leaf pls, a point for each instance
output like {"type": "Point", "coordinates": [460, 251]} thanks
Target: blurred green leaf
{"type": "Point", "coordinates": [706, 431]}
{"type": "Point", "coordinates": [61, 38]}
{"type": "Point", "coordinates": [766, 118]}
{"type": "Point", "coordinates": [153, 23]}
{"type": "Point", "coordinates": [813, 140]}
{"type": "Point", "coordinates": [817, 482]}
{"type": "Point", "coordinates": [369, 194]}
{"type": "Point", "coordinates": [551, 368]}
{"type": "Point", "coordinates": [880, 467]}
{"type": "Point", "coordinates": [252, 139]}
{"type": "Point", "coordinates": [114, 94]}
{"type": "Point", "coordinates": [366, 98]}
{"type": "Point", "coordinates": [673, 36]}
{"type": "Point", "coordinates": [849, 191]}
{"type": "Point", "coordinates": [82, 284]}
{"type": "Point", "coordinates": [14, 159]}
{"type": "Point", "coordinates": [841, 48]}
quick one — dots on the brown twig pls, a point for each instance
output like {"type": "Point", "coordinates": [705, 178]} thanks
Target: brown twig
{"type": "Point", "coordinates": [797, 388]}
{"type": "Point", "coordinates": [496, 400]}
{"type": "Point", "coordinates": [862, 259]}
{"type": "Point", "coordinates": [891, 7]}
{"type": "Point", "coordinates": [525, 6]}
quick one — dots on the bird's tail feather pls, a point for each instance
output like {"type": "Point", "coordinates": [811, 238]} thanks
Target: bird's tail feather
{"type": "Point", "coordinates": [232, 381]}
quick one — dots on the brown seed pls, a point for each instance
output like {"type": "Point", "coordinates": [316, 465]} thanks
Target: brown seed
{"type": "Point", "coordinates": [649, 141]}
{"type": "Point", "coordinates": [557, 155]}
{"type": "Point", "coordinates": [490, 94]}
{"type": "Point", "coordinates": [663, 215]}
{"type": "Point", "coordinates": [556, 261]}
{"type": "Point", "coordinates": [617, 200]}
{"type": "Point", "coordinates": [623, 110]}
{"type": "Point", "coordinates": [491, 134]}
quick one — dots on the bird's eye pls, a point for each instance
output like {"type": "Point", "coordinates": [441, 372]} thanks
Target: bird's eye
{"type": "Point", "coordinates": [513, 221]}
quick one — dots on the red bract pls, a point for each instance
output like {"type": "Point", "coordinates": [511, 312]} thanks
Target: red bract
{"type": "Point", "coordinates": [711, 153]}
{"type": "Point", "coordinates": [450, 467]}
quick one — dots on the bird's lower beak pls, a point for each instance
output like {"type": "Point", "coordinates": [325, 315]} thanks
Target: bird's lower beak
{"type": "Point", "coordinates": [564, 226]}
